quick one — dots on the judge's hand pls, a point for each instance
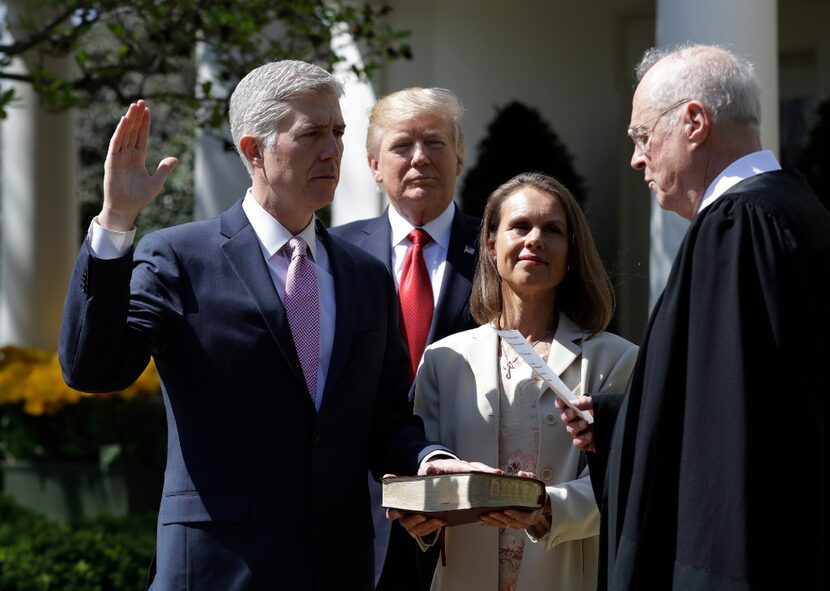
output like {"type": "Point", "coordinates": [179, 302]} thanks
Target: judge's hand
{"type": "Point", "coordinates": [516, 518]}
{"type": "Point", "coordinates": [580, 430]}
{"type": "Point", "coordinates": [128, 187]}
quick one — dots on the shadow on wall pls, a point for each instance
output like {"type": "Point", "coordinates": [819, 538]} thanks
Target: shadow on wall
{"type": "Point", "coordinates": [814, 160]}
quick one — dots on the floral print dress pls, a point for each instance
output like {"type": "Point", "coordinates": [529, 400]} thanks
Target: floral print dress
{"type": "Point", "coordinates": [518, 448]}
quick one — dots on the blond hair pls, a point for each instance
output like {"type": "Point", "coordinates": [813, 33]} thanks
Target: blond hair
{"type": "Point", "coordinates": [412, 103]}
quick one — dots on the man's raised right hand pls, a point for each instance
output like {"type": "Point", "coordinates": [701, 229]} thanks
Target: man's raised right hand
{"type": "Point", "coordinates": [128, 187]}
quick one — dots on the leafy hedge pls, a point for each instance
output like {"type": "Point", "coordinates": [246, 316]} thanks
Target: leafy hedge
{"type": "Point", "coordinates": [41, 418]}
{"type": "Point", "coordinates": [77, 431]}
{"type": "Point", "coordinates": [518, 140]}
{"type": "Point", "coordinates": [32, 377]}
{"type": "Point", "coordinates": [101, 554]}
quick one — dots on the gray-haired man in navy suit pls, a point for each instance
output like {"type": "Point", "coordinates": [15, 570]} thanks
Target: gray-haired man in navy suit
{"type": "Point", "coordinates": [278, 348]}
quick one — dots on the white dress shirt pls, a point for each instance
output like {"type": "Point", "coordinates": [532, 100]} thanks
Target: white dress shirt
{"type": "Point", "coordinates": [435, 251]}
{"type": "Point", "coordinates": [273, 237]}
{"type": "Point", "coordinates": [743, 168]}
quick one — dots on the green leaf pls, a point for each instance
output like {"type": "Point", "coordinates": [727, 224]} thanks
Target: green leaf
{"type": "Point", "coordinates": [126, 49]}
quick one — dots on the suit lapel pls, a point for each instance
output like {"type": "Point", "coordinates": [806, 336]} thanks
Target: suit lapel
{"type": "Point", "coordinates": [483, 349]}
{"type": "Point", "coordinates": [482, 355]}
{"type": "Point", "coordinates": [344, 273]}
{"type": "Point", "coordinates": [243, 252]}
{"type": "Point", "coordinates": [458, 276]}
{"type": "Point", "coordinates": [377, 239]}
{"type": "Point", "coordinates": [565, 348]}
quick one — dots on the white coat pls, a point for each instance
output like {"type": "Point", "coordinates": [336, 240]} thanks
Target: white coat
{"type": "Point", "coordinates": [457, 396]}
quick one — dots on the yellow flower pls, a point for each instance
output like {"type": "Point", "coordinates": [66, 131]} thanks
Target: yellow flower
{"type": "Point", "coordinates": [33, 377]}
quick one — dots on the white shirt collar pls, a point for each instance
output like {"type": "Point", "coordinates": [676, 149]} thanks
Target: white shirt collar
{"type": "Point", "coordinates": [438, 229]}
{"type": "Point", "coordinates": [273, 236]}
{"type": "Point", "coordinates": [743, 168]}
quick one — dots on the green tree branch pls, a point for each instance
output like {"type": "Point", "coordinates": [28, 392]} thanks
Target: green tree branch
{"type": "Point", "coordinates": [146, 48]}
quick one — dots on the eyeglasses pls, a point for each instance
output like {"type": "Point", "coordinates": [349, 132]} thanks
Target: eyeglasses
{"type": "Point", "coordinates": [639, 137]}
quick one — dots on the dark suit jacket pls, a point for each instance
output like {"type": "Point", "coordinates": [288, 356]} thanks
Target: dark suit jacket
{"type": "Point", "coordinates": [260, 491]}
{"type": "Point", "coordinates": [452, 313]}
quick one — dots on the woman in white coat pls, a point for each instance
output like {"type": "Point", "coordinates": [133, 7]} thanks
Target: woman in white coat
{"type": "Point", "coordinates": [538, 272]}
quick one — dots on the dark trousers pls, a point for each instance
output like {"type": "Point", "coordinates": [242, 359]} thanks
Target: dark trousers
{"type": "Point", "coordinates": [407, 568]}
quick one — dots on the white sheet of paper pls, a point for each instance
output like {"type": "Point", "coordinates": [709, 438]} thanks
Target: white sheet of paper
{"type": "Point", "coordinates": [515, 339]}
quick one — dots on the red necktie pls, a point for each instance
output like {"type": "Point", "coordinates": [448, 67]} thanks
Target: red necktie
{"type": "Point", "coordinates": [415, 293]}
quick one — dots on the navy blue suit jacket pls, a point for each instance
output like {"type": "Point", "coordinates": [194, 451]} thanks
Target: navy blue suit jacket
{"type": "Point", "coordinates": [452, 313]}
{"type": "Point", "coordinates": [261, 491]}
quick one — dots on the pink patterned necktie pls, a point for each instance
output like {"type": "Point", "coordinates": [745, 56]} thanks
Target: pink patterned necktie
{"type": "Point", "coordinates": [415, 295]}
{"type": "Point", "coordinates": [303, 310]}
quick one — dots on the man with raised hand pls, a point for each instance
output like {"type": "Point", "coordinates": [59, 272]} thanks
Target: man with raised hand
{"type": "Point", "coordinates": [277, 346]}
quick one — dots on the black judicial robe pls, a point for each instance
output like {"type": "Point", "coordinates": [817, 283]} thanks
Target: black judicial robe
{"type": "Point", "coordinates": [717, 464]}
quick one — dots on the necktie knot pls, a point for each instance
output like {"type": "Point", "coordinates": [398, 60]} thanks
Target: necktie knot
{"type": "Point", "coordinates": [297, 247]}
{"type": "Point", "coordinates": [419, 237]}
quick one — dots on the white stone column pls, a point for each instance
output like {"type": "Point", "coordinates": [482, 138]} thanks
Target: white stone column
{"type": "Point", "coordinates": [357, 196]}
{"type": "Point", "coordinates": [219, 177]}
{"type": "Point", "coordinates": [39, 227]}
{"type": "Point", "coordinates": [750, 28]}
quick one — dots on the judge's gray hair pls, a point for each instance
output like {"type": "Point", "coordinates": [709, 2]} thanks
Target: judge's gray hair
{"type": "Point", "coordinates": [264, 96]}
{"type": "Point", "coordinates": [723, 81]}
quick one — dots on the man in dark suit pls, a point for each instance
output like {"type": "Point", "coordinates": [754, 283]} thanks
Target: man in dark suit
{"type": "Point", "coordinates": [415, 149]}
{"type": "Point", "coordinates": [277, 345]}
{"type": "Point", "coordinates": [702, 491]}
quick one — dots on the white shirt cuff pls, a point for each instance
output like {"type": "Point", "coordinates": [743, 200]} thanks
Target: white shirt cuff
{"type": "Point", "coordinates": [437, 452]}
{"type": "Point", "coordinates": [109, 244]}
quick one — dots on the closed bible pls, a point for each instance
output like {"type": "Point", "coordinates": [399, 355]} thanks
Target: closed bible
{"type": "Point", "coordinates": [461, 497]}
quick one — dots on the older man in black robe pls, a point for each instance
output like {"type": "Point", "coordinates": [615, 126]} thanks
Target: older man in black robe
{"type": "Point", "coordinates": [717, 455]}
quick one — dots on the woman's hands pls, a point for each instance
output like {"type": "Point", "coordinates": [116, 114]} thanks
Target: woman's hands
{"type": "Point", "coordinates": [517, 518]}
{"type": "Point", "coordinates": [422, 525]}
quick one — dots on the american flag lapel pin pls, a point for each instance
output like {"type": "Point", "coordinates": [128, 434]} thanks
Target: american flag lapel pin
{"type": "Point", "coordinates": [469, 250]}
